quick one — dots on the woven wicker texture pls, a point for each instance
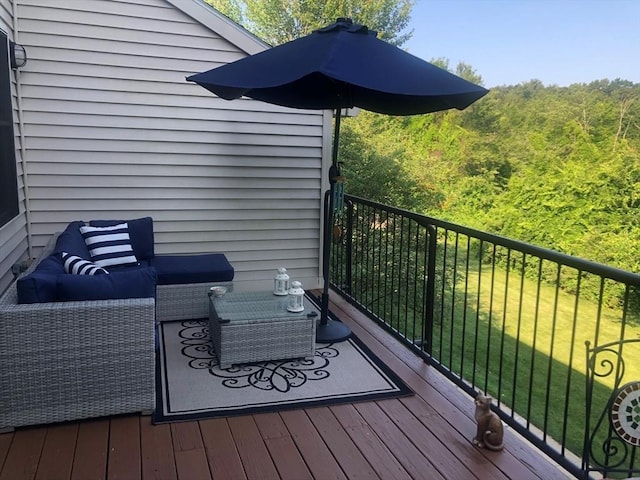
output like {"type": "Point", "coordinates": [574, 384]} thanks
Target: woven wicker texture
{"type": "Point", "coordinates": [72, 360]}
{"type": "Point", "coordinates": [259, 328]}
{"type": "Point", "coordinates": [184, 302]}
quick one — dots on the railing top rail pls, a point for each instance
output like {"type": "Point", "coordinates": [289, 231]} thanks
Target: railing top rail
{"type": "Point", "coordinates": [581, 264]}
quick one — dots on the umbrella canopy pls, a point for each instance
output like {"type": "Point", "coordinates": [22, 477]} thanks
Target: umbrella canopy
{"type": "Point", "coordinates": [343, 65]}
{"type": "Point", "coordinates": [339, 66]}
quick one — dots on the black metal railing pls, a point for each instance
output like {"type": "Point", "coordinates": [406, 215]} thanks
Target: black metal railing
{"type": "Point", "coordinates": [491, 313]}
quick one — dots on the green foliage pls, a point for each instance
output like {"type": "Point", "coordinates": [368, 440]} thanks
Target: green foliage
{"type": "Point", "coordinates": [555, 167]}
{"type": "Point", "coordinates": [373, 172]}
{"type": "Point", "coordinates": [280, 21]}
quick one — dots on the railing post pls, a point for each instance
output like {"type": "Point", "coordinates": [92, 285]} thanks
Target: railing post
{"type": "Point", "coordinates": [427, 333]}
{"type": "Point", "coordinates": [349, 257]}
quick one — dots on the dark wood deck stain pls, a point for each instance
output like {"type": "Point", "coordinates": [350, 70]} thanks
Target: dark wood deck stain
{"type": "Point", "coordinates": [424, 436]}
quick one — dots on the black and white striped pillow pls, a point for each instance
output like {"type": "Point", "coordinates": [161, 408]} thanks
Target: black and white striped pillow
{"type": "Point", "coordinates": [79, 266]}
{"type": "Point", "coordinates": [109, 246]}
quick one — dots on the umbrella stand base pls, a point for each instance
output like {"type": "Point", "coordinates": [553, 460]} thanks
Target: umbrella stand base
{"type": "Point", "coordinates": [332, 332]}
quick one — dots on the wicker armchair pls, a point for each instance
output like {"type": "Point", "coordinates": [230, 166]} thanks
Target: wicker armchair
{"type": "Point", "coordinates": [70, 360]}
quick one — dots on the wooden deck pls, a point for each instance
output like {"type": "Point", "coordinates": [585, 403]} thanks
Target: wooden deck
{"type": "Point", "coordinates": [424, 436]}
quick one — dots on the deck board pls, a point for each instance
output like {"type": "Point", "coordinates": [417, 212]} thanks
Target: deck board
{"type": "Point", "coordinates": [5, 444]}
{"type": "Point", "coordinates": [124, 448]}
{"type": "Point", "coordinates": [190, 455]}
{"type": "Point", "coordinates": [312, 447]}
{"type": "Point", "coordinates": [90, 459]}
{"type": "Point", "coordinates": [24, 454]}
{"type": "Point", "coordinates": [350, 459]}
{"type": "Point", "coordinates": [415, 460]}
{"type": "Point", "coordinates": [222, 453]}
{"type": "Point", "coordinates": [372, 447]}
{"type": "Point", "coordinates": [282, 448]}
{"type": "Point", "coordinates": [56, 459]}
{"type": "Point", "coordinates": [255, 457]}
{"type": "Point", "coordinates": [426, 435]}
{"type": "Point", "coordinates": [158, 460]}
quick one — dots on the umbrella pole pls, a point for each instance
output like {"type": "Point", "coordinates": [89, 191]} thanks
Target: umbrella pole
{"type": "Point", "coordinates": [330, 331]}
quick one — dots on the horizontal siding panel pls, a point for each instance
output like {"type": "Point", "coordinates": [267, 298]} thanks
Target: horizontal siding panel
{"type": "Point", "coordinates": [199, 98]}
{"type": "Point", "coordinates": [108, 194]}
{"type": "Point", "coordinates": [198, 173]}
{"type": "Point", "coordinates": [76, 59]}
{"type": "Point", "coordinates": [260, 229]}
{"type": "Point", "coordinates": [66, 47]}
{"type": "Point", "coordinates": [147, 158]}
{"type": "Point", "coordinates": [204, 39]}
{"type": "Point", "coordinates": [260, 226]}
{"type": "Point", "coordinates": [303, 208]}
{"type": "Point", "coordinates": [227, 111]}
{"type": "Point", "coordinates": [304, 248]}
{"type": "Point", "coordinates": [281, 184]}
{"type": "Point", "coordinates": [126, 3]}
{"type": "Point", "coordinates": [303, 238]}
{"type": "Point", "coordinates": [131, 146]}
{"type": "Point", "coordinates": [75, 121]}
{"type": "Point", "coordinates": [204, 109]}
{"type": "Point", "coordinates": [177, 24]}
{"type": "Point", "coordinates": [171, 136]}
{"type": "Point", "coordinates": [212, 215]}
{"type": "Point", "coordinates": [102, 74]}
{"type": "Point", "coordinates": [243, 261]}
{"type": "Point", "coordinates": [148, 10]}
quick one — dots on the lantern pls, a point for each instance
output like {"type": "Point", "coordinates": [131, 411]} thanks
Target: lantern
{"type": "Point", "coordinates": [281, 282]}
{"type": "Point", "coordinates": [296, 297]}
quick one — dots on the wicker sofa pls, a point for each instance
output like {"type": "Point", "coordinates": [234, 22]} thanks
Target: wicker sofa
{"type": "Point", "coordinates": [68, 360]}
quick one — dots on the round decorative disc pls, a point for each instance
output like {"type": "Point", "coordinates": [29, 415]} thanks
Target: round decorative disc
{"type": "Point", "coordinates": [625, 413]}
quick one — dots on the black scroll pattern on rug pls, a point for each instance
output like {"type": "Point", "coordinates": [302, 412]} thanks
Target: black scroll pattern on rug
{"type": "Point", "coordinates": [280, 375]}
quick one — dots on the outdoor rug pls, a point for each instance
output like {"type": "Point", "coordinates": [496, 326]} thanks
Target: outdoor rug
{"type": "Point", "coordinates": [191, 385]}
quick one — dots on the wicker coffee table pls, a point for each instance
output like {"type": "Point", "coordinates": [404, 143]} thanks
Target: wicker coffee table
{"type": "Point", "coordinates": [248, 327]}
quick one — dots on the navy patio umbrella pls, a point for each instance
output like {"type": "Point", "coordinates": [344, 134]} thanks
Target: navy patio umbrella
{"type": "Point", "coordinates": [340, 66]}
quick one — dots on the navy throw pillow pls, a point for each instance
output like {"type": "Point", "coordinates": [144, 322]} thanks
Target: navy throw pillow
{"type": "Point", "coordinates": [141, 232]}
{"type": "Point", "coordinates": [109, 246]}
{"type": "Point", "coordinates": [79, 266]}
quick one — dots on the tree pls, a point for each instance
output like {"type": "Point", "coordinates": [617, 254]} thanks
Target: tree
{"type": "Point", "coordinates": [280, 21]}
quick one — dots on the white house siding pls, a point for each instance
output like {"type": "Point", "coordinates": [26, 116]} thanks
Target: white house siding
{"type": "Point", "coordinates": [113, 130]}
{"type": "Point", "coordinates": [13, 235]}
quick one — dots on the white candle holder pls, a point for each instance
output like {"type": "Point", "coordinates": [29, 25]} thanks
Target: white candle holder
{"type": "Point", "coordinates": [296, 297]}
{"type": "Point", "coordinates": [281, 282]}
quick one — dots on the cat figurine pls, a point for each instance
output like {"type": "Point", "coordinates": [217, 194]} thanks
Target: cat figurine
{"type": "Point", "coordinates": [490, 432]}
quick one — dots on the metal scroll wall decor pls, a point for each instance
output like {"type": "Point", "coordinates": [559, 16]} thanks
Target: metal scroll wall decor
{"type": "Point", "coordinates": [612, 421]}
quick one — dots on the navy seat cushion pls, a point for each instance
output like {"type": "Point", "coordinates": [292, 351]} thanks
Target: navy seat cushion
{"type": "Point", "coordinates": [40, 285]}
{"type": "Point", "coordinates": [132, 283]}
{"type": "Point", "coordinates": [71, 241]}
{"type": "Point", "coordinates": [184, 269]}
{"type": "Point", "coordinates": [140, 232]}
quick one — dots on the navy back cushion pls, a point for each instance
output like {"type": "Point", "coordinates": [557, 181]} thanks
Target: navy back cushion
{"type": "Point", "coordinates": [140, 232]}
{"type": "Point", "coordinates": [71, 241]}
{"type": "Point", "coordinates": [40, 285]}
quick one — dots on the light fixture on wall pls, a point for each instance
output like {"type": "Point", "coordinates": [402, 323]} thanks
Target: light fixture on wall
{"type": "Point", "coordinates": [18, 55]}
